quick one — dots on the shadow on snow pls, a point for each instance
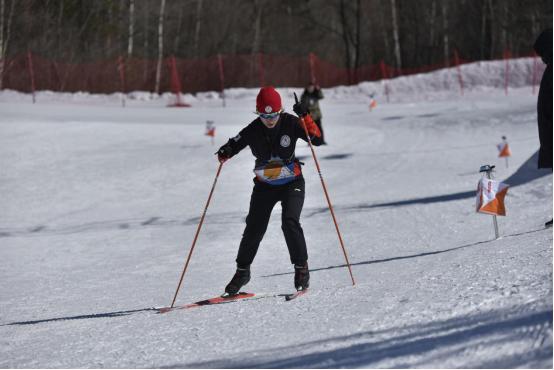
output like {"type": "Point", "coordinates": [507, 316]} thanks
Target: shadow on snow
{"type": "Point", "coordinates": [432, 342]}
{"type": "Point", "coordinates": [371, 262]}
{"type": "Point", "coordinates": [526, 173]}
{"type": "Point", "coordinates": [82, 317]}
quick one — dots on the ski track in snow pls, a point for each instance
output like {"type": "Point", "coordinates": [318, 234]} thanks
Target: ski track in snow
{"type": "Point", "coordinates": [101, 204]}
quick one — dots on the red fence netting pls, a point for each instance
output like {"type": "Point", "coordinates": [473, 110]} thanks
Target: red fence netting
{"type": "Point", "coordinates": [29, 72]}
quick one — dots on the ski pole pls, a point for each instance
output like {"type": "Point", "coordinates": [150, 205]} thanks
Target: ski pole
{"type": "Point", "coordinates": [197, 233]}
{"type": "Point", "coordinates": [326, 195]}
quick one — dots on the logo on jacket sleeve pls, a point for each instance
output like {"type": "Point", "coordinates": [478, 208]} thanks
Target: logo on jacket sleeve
{"type": "Point", "coordinates": [285, 141]}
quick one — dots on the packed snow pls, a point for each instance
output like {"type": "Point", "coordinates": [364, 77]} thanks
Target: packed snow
{"type": "Point", "coordinates": [101, 202]}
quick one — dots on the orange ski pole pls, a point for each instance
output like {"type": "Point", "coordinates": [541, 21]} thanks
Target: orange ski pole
{"type": "Point", "coordinates": [326, 195]}
{"type": "Point", "coordinates": [196, 235]}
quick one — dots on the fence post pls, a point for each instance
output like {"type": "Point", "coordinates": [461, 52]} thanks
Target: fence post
{"type": "Point", "coordinates": [31, 74]}
{"type": "Point", "coordinates": [384, 77]}
{"type": "Point", "coordinates": [506, 70]}
{"type": "Point", "coordinates": [176, 84]}
{"type": "Point", "coordinates": [121, 69]}
{"type": "Point", "coordinates": [460, 79]}
{"type": "Point", "coordinates": [221, 77]}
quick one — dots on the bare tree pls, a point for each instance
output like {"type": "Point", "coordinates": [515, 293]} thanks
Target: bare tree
{"type": "Point", "coordinates": [258, 7]}
{"type": "Point", "coordinates": [351, 38]}
{"type": "Point", "coordinates": [445, 32]}
{"type": "Point", "coordinates": [146, 38]}
{"type": "Point", "coordinates": [5, 24]}
{"type": "Point", "coordinates": [131, 27]}
{"type": "Point", "coordinates": [197, 25]}
{"type": "Point", "coordinates": [177, 38]}
{"type": "Point", "coordinates": [483, 29]}
{"type": "Point", "coordinates": [160, 45]}
{"type": "Point", "coordinates": [492, 24]}
{"type": "Point", "coordinates": [432, 26]}
{"type": "Point", "coordinates": [395, 35]}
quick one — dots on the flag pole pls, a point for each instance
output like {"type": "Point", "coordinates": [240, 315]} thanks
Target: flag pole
{"type": "Point", "coordinates": [494, 220]}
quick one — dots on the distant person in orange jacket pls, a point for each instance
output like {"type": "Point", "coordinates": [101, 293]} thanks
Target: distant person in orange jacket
{"type": "Point", "coordinates": [543, 47]}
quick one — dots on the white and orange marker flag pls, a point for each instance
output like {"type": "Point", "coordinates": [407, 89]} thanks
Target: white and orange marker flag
{"type": "Point", "coordinates": [372, 104]}
{"type": "Point", "coordinates": [503, 149]}
{"type": "Point", "coordinates": [210, 128]}
{"type": "Point", "coordinates": [210, 131]}
{"type": "Point", "coordinates": [490, 197]}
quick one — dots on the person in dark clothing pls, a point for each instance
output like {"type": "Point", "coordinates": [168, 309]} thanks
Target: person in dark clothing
{"type": "Point", "coordinates": [272, 139]}
{"type": "Point", "coordinates": [543, 47]}
{"type": "Point", "coordinates": [310, 99]}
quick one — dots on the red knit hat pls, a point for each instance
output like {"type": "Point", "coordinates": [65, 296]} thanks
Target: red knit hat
{"type": "Point", "coordinates": [268, 101]}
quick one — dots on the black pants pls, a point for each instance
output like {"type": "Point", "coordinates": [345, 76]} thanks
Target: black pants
{"type": "Point", "coordinates": [263, 199]}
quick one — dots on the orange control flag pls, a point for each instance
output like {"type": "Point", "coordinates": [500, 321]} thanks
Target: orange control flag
{"type": "Point", "coordinates": [490, 197]}
{"type": "Point", "coordinates": [503, 150]}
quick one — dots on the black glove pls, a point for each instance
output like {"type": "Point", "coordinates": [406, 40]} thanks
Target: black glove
{"type": "Point", "coordinates": [224, 153]}
{"type": "Point", "coordinates": [300, 109]}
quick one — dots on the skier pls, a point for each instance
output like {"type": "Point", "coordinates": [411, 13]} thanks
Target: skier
{"type": "Point", "coordinates": [272, 139]}
{"type": "Point", "coordinates": [310, 99]}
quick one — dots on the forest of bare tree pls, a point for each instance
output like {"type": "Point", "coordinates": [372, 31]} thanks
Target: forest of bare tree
{"type": "Point", "coordinates": [347, 33]}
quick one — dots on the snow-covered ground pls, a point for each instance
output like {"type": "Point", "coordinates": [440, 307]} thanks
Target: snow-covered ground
{"type": "Point", "coordinates": [100, 204]}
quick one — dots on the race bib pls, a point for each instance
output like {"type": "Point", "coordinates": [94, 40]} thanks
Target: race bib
{"type": "Point", "coordinates": [276, 172]}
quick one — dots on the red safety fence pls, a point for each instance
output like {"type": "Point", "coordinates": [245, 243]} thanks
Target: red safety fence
{"type": "Point", "coordinates": [30, 72]}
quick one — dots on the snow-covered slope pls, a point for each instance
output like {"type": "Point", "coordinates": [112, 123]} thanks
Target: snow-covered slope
{"type": "Point", "coordinates": [100, 204]}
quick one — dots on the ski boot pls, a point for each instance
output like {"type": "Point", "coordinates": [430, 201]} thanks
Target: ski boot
{"type": "Point", "coordinates": [548, 224]}
{"type": "Point", "coordinates": [241, 277]}
{"type": "Point", "coordinates": [301, 277]}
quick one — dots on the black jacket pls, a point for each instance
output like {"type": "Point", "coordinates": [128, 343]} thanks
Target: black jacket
{"type": "Point", "coordinates": [265, 143]}
{"type": "Point", "coordinates": [543, 47]}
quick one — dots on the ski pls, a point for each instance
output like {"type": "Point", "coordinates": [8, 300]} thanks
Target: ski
{"type": "Point", "coordinates": [290, 297]}
{"type": "Point", "coordinates": [208, 302]}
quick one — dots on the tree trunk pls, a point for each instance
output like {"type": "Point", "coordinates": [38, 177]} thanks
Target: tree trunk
{"type": "Point", "coordinates": [385, 31]}
{"type": "Point", "coordinates": [358, 35]}
{"type": "Point", "coordinates": [145, 52]}
{"type": "Point", "coordinates": [483, 30]}
{"type": "Point", "coordinates": [160, 45]}
{"type": "Point", "coordinates": [197, 27]}
{"type": "Point", "coordinates": [504, 26]}
{"type": "Point", "coordinates": [432, 30]}
{"type": "Point", "coordinates": [395, 35]}
{"type": "Point", "coordinates": [2, 7]}
{"type": "Point", "coordinates": [445, 33]}
{"type": "Point", "coordinates": [177, 39]}
{"type": "Point", "coordinates": [258, 7]}
{"type": "Point", "coordinates": [344, 25]}
{"type": "Point", "coordinates": [109, 33]}
{"type": "Point", "coordinates": [492, 25]}
{"type": "Point", "coordinates": [59, 25]}
{"type": "Point", "coordinates": [2, 54]}
{"type": "Point", "coordinates": [131, 27]}
{"type": "Point", "coordinates": [7, 25]}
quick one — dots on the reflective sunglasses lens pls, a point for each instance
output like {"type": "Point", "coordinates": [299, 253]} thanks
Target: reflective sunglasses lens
{"type": "Point", "coordinates": [269, 115]}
